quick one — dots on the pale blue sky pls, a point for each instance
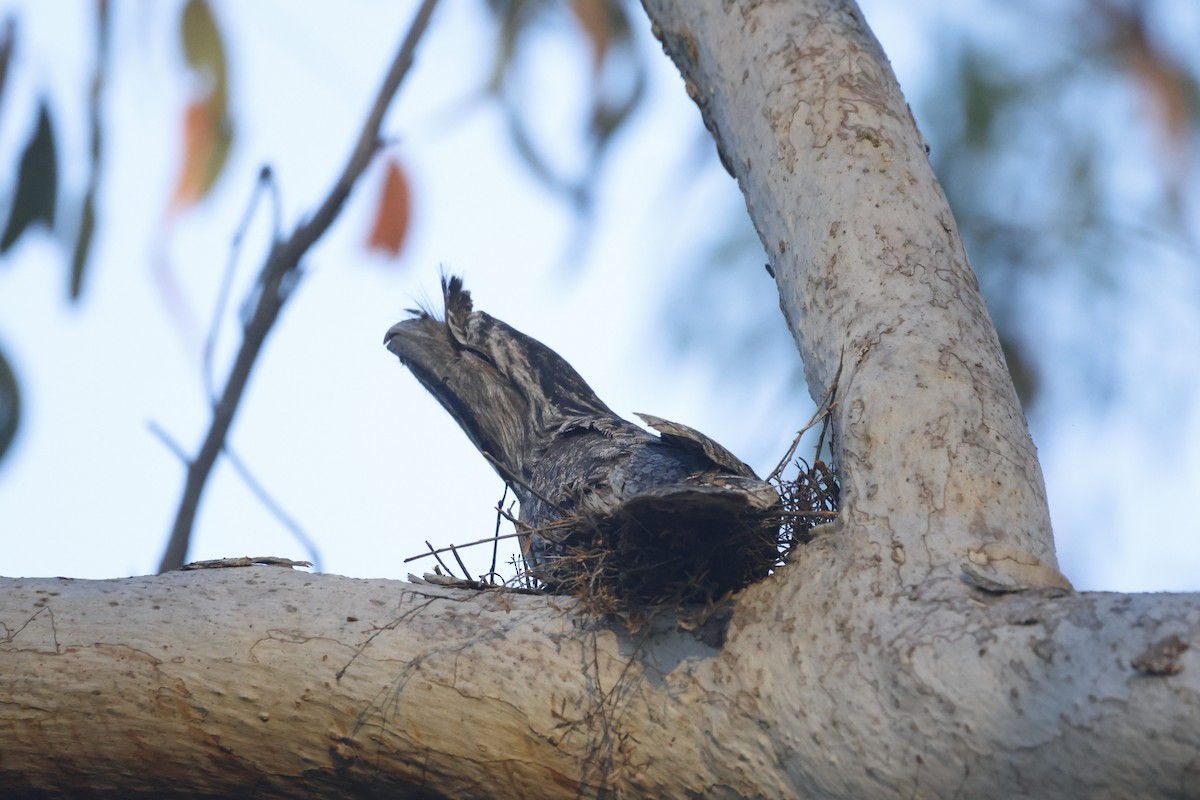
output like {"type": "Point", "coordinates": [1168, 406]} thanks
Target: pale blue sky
{"type": "Point", "coordinates": [343, 436]}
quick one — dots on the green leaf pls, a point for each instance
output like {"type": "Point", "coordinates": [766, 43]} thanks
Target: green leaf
{"type": "Point", "coordinates": [7, 38]}
{"type": "Point", "coordinates": [10, 405]}
{"type": "Point", "coordinates": [37, 183]}
{"type": "Point", "coordinates": [202, 45]}
{"type": "Point", "coordinates": [83, 245]}
{"type": "Point", "coordinates": [87, 220]}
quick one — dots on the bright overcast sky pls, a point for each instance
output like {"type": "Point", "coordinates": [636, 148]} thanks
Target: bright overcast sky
{"type": "Point", "coordinates": [336, 429]}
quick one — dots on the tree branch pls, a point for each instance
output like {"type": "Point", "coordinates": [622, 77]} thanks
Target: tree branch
{"type": "Point", "coordinates": [930, 443]}
{"type": "Point", "coordinates": [290, 684]}
{"type": "Point", "coordinates": [276, 281]}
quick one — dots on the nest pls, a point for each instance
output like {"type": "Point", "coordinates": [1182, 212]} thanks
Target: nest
{"type": "Point", "coordinates": [656, 556]}
{"type": "Point", "coordinates": [647, 556]}
{"type": "Point", "coordinates": [810, 499]}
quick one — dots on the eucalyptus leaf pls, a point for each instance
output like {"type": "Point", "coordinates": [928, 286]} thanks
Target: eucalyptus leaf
{"type": "Point", "coordinates": [202, 45]}
{"type": "Point", "coordinates": [10, 405]}
{"type": "Point", "coordinates": [37, 183]}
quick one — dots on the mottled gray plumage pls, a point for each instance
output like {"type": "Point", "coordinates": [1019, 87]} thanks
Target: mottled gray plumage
{"type": "Point", "coordinates": [560, 448]}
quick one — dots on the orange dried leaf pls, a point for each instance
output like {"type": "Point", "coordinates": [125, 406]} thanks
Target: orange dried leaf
{"type": "Point", "coordinates": [595, 18]}
{"type": "Point", "coordinates": [207, 136]}
{"type": "Point", "coordinates": [1166, 84]}
{"type": "Point", "coordinates": [393, 213]}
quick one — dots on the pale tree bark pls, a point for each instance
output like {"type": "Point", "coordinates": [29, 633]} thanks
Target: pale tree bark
{"type": "Point", "coordinates": [924, 645]}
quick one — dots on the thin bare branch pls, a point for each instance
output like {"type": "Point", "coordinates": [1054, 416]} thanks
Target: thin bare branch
{"type": "Point", "coordinates": [170, 443]}
{"type": "Point", "coordinates": [266, 181]}
{"type": "Point", "coordinates": [434, 553]}
{"type": "Point", "coordinates": [277, 279]}
{"type": "Point", "coordinates": [274, 507]}
{"type": "Point", "coordinates": [448, 548]}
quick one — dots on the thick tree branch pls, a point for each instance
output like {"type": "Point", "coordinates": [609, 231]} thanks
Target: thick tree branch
{"type": "Point", "coordinates": [276, 281]}
{"type": "Point", "coordinates": [931, 444]}
{"type": "Point", "coordinates": [264, 680]}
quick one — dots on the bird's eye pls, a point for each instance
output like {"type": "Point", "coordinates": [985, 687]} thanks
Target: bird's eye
{"type": "Point", "coordinates": [482, 355]}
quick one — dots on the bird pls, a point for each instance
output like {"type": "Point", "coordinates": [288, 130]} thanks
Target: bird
{"type": "Point", "coordinates": [675, 509]}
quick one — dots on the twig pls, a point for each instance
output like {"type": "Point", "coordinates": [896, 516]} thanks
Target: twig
{"type": "Point", "coordinates": [511, 477]}
{"type": "Point", "coordinates": [787, 457]}
{"type": "Point", "coordinates": [246, 561]}
{"type": "Point", "coordinates": [266, 182]}
{"type": "Point", "coordinates": [275, 283]}
{"type": "Point", "coordinates": [273, 506]}
{"type": "Point", "coordinates": [87, 219]}
{"type": "Point", "coordinates": [170, 443]}
{"type": "Point", "coordinates": [525, 531]}
{"type": "Point", "coordinates": [821, 437]}
{"type": "Point", "coordinates": [808, 514]}
{"type": "Point", "coordinates": [525, 527]}
{"type": "Point", "coordinates": [434, 553]}
{"type": "Point", "coordinates": [565, 522]}
{"type": "Point", "coordinates": [259, 491]}
{"type": "Point", "coordinates": [496, 537]}
{"type": "Point", "coordinates": [265, 179]}
{"type": "Point", "coordinates": [822, 413]}
{"type": "Point", "coordinates": [461, 565]}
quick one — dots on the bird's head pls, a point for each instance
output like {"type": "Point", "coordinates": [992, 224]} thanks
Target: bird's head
{"type": "Point", "coordinates": [509, 392]}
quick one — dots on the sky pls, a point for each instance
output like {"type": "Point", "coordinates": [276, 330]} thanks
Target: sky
{"type": "Point", "coordinates": [344, 438]}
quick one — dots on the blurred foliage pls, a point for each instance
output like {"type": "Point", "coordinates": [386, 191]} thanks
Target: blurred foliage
{"type": "Point", "coordinates": [87, 218]}
{"type": "Point", "coordinates": [207, 126]}
{"type": "Point", "coordinates": [603, 33]}
{"type": "Point", "coordinates": [8, 37]}
{"type": "Point", "coordinates": [1019, 111]}
{"type": "Point", "coordinates": [393, 211]}
{"type": "Point", "coordinates": [717, 309]}
{"type": "Point", "coordinates": [38, 191]}
{"type": "Point", "coordinates": [36, 194]}
{"type": "Point", "coordinates": [10, 405]}
{"type": "Point", "coordinates": [1032, 156]}
{"type": "Point", "coordinates": [37, 183]}
{"type": "Point", "coordinates": [1032, 172]}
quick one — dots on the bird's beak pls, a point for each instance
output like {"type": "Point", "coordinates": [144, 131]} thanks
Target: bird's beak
{"type": "Point", "coordinates": [392, 333]}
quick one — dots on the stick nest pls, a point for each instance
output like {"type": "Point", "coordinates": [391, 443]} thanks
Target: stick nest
{"type": "Point", "coordinates": [649, 558]}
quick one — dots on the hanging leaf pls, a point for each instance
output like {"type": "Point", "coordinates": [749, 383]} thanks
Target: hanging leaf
{"type": "Point", "coordinates": [1172, 94]}
{"type": "Point", "coordinates": [87, 219]}
{"type": "Point", "coordinates": [10, 405]}
{"type": "Point", "coordinates": [393, 213]}
{"type": "Point", "coordinates": [7, 38]}
{"type": "Point", "coordinates": [515, 18]}
{"type": "Point", "coordinates": [207, 126]}
{"type": "Point", "coordinates": [83, 244]}
{"type": "Point", "coordinates": [618, 83]}
{"type": "Point", "coordinates": [202, 45]}
{"type": "Point", "coordinates": [1161, 77]}
{"type": "Point", "coordinates": [207, 139]}
{"type": "Point", "coordinates": [596, 19]}
{"type": "Point", "coordinates": [37, 183]}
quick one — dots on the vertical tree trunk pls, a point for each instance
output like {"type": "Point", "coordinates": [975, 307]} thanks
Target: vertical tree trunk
{"type": "Point", "coordinates": [931, 444]}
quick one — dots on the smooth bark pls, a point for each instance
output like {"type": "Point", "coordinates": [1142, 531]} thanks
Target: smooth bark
{"type": "Point", "coordinates": [279, 683]}
{"type": "Point", "coordinates": [932, 446]}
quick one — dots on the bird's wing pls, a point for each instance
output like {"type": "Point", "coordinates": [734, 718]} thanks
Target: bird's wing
{"type": "Point", "coordinates": [692, 439]}
{"type": "Point", "coordinates": [732, 493]}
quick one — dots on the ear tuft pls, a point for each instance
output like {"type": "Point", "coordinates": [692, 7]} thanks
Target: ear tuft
{"type": "Point", "coordinates": [456, 298]}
